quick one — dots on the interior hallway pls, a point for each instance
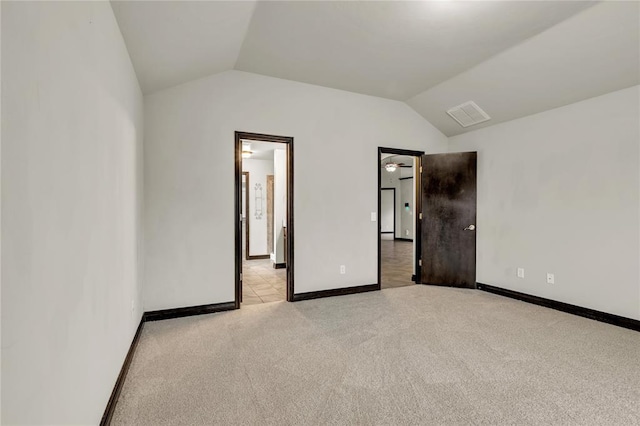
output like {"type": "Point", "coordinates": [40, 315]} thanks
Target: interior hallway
{"type": "Point", "coordinates": [262, 283]}
{"type": "Point", "coordinates": [397, 263]}
{"type": "Point", "coordinates": [412, 355]}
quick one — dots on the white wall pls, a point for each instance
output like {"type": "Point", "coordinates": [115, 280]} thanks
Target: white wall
{"type": "Point", "coordinates": [387, 209]}
{"type": "Point", "coordinates": [407, 219]}
{"type": "Point", "coordinates": [279, 203]}
{"type": "Point", "coordinates": [71, 204]}
{"type": "Point", "coordinates": [189, 204]}
{"type": "Point", "coordinates": [559, 192]}
{"type": "Point", "coordinates": [258, 171]}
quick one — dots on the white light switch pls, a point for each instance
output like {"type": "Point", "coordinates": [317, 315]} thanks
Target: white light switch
{"type": "Point", "coordinates": [373, 216]}
{"type": "Point", "coordinates": [551, 278]}
{"type": "Point", "coordinates": [520, 272]}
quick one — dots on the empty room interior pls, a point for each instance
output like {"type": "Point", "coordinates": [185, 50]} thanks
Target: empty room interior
{"type": "Point", "coordinates": [322, 212]}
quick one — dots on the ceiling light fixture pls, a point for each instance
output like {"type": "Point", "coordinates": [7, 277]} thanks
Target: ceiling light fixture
{"type": "Point", "coordinates": [246, 150]}
{"type": "Point", "coordinates": [391, 167]}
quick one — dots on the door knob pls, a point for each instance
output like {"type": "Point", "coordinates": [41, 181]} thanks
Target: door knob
{"type": "Point", "coordinates": [470, 228]}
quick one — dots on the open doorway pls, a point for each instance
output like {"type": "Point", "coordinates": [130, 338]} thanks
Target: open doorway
{"type": "Point", "coordinates": [398, 224]}
{"type": "Point", "coordinates": [264, 212]}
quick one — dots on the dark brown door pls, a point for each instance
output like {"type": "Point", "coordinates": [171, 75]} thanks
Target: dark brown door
{"type": "Point", "coordinates": [449, 219]}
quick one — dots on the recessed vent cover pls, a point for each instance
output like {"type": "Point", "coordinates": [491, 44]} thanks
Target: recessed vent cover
{"type": "Point", "coordinates": [468, 114]}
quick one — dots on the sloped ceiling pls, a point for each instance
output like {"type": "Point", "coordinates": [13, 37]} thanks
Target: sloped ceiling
{"type": "Point", "coordinates": [590, 54]}
{"type": "Point", "coordinates": [172, 42]}
{"type": "Point", "coordinates": [512, 58]}
{"type": "Point", "coordinates": [388, 49]}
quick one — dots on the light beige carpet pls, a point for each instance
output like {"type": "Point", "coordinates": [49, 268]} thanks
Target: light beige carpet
{"type": "Point", "coordinates": [410, 355]}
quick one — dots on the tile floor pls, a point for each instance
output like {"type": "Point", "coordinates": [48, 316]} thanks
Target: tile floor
{"type": "Point", "coordinates": [261, 283]}
{"type": "Point", "coordinates": [397, 263]}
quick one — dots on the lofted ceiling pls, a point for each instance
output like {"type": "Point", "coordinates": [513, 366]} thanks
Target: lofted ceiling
{"type": "Point", "coordinates": [388, 49]}
{"type": "Point", "coordinates": [511, 58]}
{"type": "Point", "coordinates": [589, 54]}
{"type": "Point", "coordinates": [172, 42]}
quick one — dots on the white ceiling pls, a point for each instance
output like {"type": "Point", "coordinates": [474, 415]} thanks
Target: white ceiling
{"type": "Point", "coordinates": [406, 160]}
{"type": "Point", "coordinates": [590, 54]}
{"type": "Point", "coordinates": [263, 150]}
{"type": "Point", "coordinates": [172, 42]}
{"type": "Point", "coordinates": [388, 49]}
{"type": "Point", "coordinates": [512, 58]}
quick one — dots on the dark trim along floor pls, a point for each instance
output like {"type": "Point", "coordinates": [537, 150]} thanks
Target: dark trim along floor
{"type": "Point", "coordinates": [335, 292]}
{"type": "Point", "coordinates": [565, 307]}
{"type": "Point", "coordinates": [258, 257]}
{"type": "Point", "coordinates": [188, 311]}
{"type": "Point", "coordinates": [200, 310]}
{"type": "Point", "coordinates": [154, 316]}
{"type": "Point", "coordinates": [219, 307]}
{"type": "Point", "coordinates": [115, 394]}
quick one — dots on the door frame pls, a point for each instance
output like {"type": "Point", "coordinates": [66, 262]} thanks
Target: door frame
{"type": "Point", "coordinates": [417, 255]}
{"type": "Point", "coordinates": [258, 137]}
{"type": "Point", "coordinates": [394, 212]}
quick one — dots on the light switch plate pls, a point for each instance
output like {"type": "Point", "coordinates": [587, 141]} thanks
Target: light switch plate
{"type": "Point", "coordinates": [373, 216]}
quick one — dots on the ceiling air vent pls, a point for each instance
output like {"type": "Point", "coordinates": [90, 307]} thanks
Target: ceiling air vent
{"type": "Point", "coordinates": [468, 114]}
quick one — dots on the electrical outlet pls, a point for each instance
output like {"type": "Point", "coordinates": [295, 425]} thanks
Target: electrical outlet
{"type": "Point", "coordinates": [343, 269]}
{"type": "Point", "coordinates": [520, 272]}
{"type": "Point", "coordinates": [551, 278]}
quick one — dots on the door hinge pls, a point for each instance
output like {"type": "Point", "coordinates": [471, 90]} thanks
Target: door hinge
{"type": "Point", "coordinates": [420, 262]}
{"type": "Point", "coordinates": [420, 169]}
{"type": "Point", "coordinates": [420, 216]}
{"type": "Point", "coordinates": [241, 277]}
